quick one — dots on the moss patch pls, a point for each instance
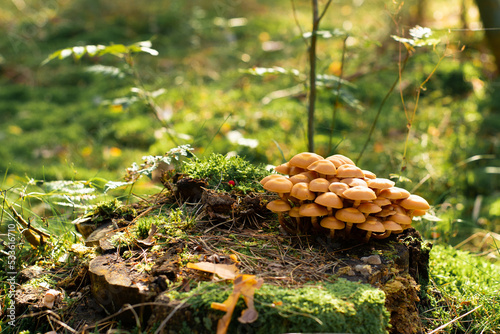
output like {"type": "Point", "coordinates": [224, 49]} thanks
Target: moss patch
{"type": "Point", "coordinates": [341, 307]}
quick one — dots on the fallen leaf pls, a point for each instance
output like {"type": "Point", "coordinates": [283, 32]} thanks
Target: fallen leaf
{"type": "Point", "coordinates": [224, 271]}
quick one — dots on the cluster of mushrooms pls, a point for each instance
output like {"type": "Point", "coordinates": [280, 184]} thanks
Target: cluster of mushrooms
{"type": "Point", "coordinates": [334, 194]}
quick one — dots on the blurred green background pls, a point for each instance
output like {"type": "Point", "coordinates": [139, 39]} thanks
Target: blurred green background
{"type": "Point", "coordinates": [82, 119]}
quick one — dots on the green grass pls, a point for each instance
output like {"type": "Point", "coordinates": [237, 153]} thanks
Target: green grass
{"type": "Point", "coordinates": [463, 282]}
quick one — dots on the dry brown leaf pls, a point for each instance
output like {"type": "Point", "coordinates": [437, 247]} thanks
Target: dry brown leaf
{"type": "Point", "coordinates": [224, 271]}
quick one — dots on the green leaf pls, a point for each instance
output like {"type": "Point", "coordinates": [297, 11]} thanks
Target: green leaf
{"type": "Point", "coordinates": [118, 50]}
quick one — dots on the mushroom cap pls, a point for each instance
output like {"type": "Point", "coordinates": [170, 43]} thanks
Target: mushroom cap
{"type": "Point", "coordinates": [380, 183]}
{"type": "Point", "coordinates": [294, 212]}
{"type": "Point", "coordinates": [418, 212]}
{"type": "Point", "coordinates": [338, 187]}
{"type": "Point", "coordinates": [343, 158]}
{"type": "Point", "coordinates": [332, 223]}
{"type": "Point", "coordinates": [382, 201]}
{"type": "Point", "coordinates": [392, 226]}
{"type": "Point", "coordinates": [299, 178]}
{"type": "Point", "coordinates": [394, 193]}
{"type": "Point", "coordinates": [279, 185]}
{"type": "Point", "coordinates": [312, 210]}
{"type": "Point", "coordinates": [319, 185]}
{"type": "Point", "coordinates": [359, 193]}
{"type": "Point", "coordinates": [369, 175]}
{"type": "Point", "coordinates": [401, 219]}
{"type": "Point", "coordinates": [349, 171]}
{"type": "Point", "coordinates": [415, 202]}
{"type": "Point", "coordinates": [301, 192]}
{"type": "Point", "coordinates": [278, 205]}
{"type": "Point", "coordinates": [269, 177]}
{"type": "Point", "coordinates": [283, 168]}
{"type": "Point", "coordinates": [294, 170]}
{"type": "Point", "coordinates": [354, 181]}
{"type": "Point", "coordinates": [330, 200]}
{"type": "Point", "coordinates": [372, 226]}
{"type": "Point", "coordinates": [304, 159]}
{"type": "Point", "coordinates": [368, 207]}
{"type": "Point", "coordinates": [350, 215]}
{"type": "Point", "coordinates": [336, 161]}
{"type": "Point", "coordinates": [324, 166]}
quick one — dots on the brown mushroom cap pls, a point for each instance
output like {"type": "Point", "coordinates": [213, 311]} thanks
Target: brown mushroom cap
{"type": "Point", "coordinates": [329, 200]}
{"type": "Point", "coordinates": [332, 223]}
{"type": "Point", "coordinates": [278, 205]}
{"type": "Point", "coordinates": [401, 219]}
{"type": "Point", "coordinates": [394, 193]}
{"type": "Point", "coordinates": [359, 193]}
{"type": "Point", "coordinates": [279, 185]}
{"type": "Point", "coordinates": [319, 185]}
{"type": "Point", "coordinates": [418, 212]}
{"type": "Point", "coordinates": [294, 170]}
{"type": "Point", "coordinates": [349, 171]}
{"type": "Point", "coordinates": [269, 177]}
{"type": "Point", "coordinates": [354, 181]}
{"type": "Point", "coordinates": [350, 215]}
{"type": "Point", "coordinates": [338, 187]}
{"type": "Point", "coordinates": [382, 201]}
{"type": "Point", "coordinates": [294, 212]}
{"type": "Point", "coordinates": [392, 226]}
{"type": "Point", "coordinates": [299, 178]}
{"type": "Point", "coordinates": [343, 158]}
{"type": "Point", "coordinates": [380, 183]}
{"type": "Point", "coordinates": [324, 167]}
{"type": "Point", "coordinates": [369, 175]}
{"type": "Point", "coordinates": [283, 168]}
{"type": "Point", "coordinates": [304, 159]}
{"type": "Point", "coordinates": [301, 192]}
{"type": "Point", "coordinates": [415, 202]}
{"type": "Point", "coordinates": [371, 226]}
{"type": "Point", "coordinates": [368, 208]}
{"type": "Point", "coordinates": [312, 210]}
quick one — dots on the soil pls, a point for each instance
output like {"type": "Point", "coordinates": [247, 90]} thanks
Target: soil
{"type": "Point", "coordinates": [116, 286]}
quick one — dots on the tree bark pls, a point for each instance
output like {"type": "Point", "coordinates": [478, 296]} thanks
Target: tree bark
{"type": "Point", "coordinates": [490, 15]}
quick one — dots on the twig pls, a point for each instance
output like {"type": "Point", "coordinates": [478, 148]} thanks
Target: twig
{"type": "Point", "coordinates": [164, 322]}
{"type": "Point", "coordinates": [452, 321]}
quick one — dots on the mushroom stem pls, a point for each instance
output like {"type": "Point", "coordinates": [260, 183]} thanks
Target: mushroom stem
{"type": "Point", "coordinates": [314, 222]}
{"type": "Point", "coordinates": [348, 227]}
{"type": "Point", "coordinates": [332, 233]}
{"type": "Point", "coordinates": [367, 236]}
{"type": "Point", "coordinates": [356, 203]}
{"type": "Point", "coordinates": [283, 224]}
{"type": "Point", "coordinates": [386, 234]}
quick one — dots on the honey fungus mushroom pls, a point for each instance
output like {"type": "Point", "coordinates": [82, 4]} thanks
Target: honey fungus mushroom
{"type": "Point", "coordinates": [350, 216]}
{"type": "Point", "coordinates": [370, 226]}
{"type": "Point", "coordinates": [280, 206]}
{"type": "Point", "coordinates": [332, 224]}
{"type": "Point", "coordinates": [280, 185]}
{"type": "Point", "coordinates": [314, 211]}
{"type": "Point", "coordinates": [338, 189]}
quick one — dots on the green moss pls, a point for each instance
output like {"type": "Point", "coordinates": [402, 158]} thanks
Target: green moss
{"type": "Point", "coordinates": [218, 170]}
{"type": "Point", "coordinates": [341, 307]}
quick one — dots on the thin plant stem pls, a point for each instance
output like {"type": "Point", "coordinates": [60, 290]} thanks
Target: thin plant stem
{"type": "Point", "coordinates": [374, 124]}
{"type": "Point", "coordinates": [411, 118]}
{"type": "Point", "coordinates": [312, 78]}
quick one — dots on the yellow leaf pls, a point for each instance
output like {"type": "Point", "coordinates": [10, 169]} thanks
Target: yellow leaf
{"type": "Point", "coordinates": [224, 271]}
